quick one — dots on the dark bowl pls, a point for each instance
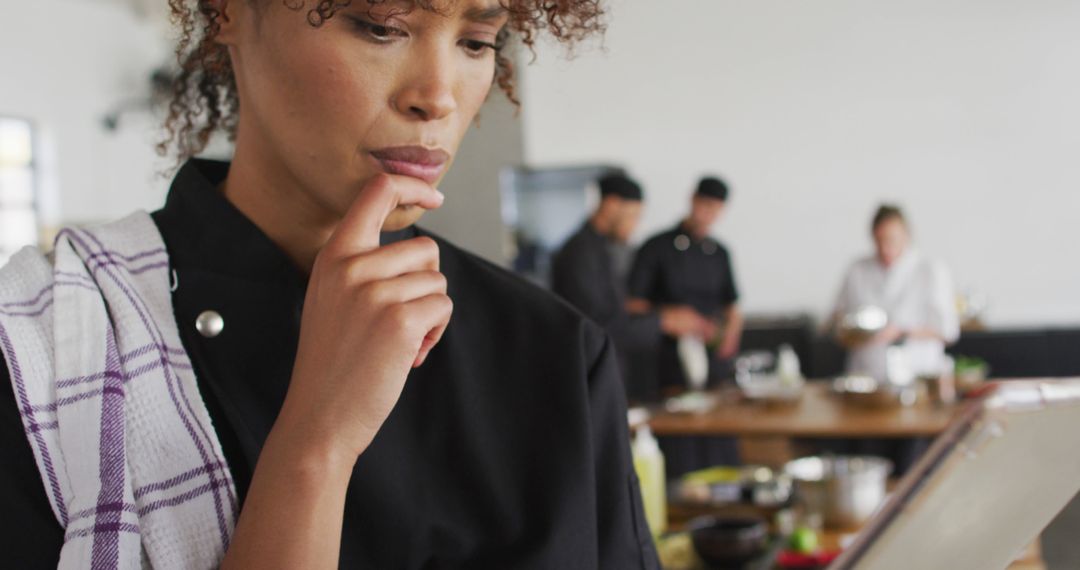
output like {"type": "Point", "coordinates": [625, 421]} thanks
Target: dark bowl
{"type": "Point", "coordinates": [726, 542]}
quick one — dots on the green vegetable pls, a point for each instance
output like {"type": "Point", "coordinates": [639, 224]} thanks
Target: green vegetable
{"type": "Point", "coordinates": [969, 363]}
{"type": "Point", "coordinates": [804, 540]}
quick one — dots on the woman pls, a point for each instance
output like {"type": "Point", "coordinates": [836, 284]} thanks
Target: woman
{"type": "Point", "coordinates": [914, 291]}
{"type": "Point", "coordinates": [354, 422]}
{"type": "Point", "coordinates": [916, 294]}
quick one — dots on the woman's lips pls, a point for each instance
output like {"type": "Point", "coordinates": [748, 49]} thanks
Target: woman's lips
{"type": "Point", "coordinates": [415, 161]}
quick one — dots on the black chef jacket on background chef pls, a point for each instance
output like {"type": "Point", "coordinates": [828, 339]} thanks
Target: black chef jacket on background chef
{"type": "Point", "coordinates": [507, 449]}
{"type": "Point", "coordinates": [583, 273]}
{"type": "Point", "coordinates": [671, 268]}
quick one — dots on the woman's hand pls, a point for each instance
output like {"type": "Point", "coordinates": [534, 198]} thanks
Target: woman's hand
{"type": "Point", "coordinates": [371, 313]}
{"type": "Point", "coordinates": [887, 336]}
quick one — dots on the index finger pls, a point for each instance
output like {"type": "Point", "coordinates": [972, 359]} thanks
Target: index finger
{"type": "Point", "coordinates": [359, 229]}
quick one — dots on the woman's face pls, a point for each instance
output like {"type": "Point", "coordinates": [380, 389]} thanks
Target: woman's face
{"type": "Point", "coordinates": [891, 240]}
{"type": "Point", "coordinates": [325, 109]}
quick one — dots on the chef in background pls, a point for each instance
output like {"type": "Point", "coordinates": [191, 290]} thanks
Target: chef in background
{"type": "Point", "coordinates": [585, 272]}
{"type": "Point", "coordinates": [685, 266]}
{"type": "Point", "coordinates": [915, 291]}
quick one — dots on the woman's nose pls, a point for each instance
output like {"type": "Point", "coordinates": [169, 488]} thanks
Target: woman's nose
{"type": "Point", "coordinates": [428, 91]}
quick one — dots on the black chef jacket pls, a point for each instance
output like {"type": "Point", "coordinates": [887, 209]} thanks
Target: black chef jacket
{"type": "Point", "coordinates": [583, 273]}
{"type": "Point", "coordinates": [672, 268]}
{"type": "Point", "coordinates": [507, 449]}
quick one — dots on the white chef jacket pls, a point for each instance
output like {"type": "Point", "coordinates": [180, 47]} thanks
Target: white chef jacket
{"type": "Point", "coordinates": [916, 292]}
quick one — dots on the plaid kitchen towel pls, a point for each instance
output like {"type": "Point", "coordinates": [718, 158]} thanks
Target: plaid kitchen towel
{"type": "Point", "coordinates": [123, 442]}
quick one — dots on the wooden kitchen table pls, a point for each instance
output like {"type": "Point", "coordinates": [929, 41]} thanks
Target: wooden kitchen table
{"type": "Point", "coordinates": [817, 414]}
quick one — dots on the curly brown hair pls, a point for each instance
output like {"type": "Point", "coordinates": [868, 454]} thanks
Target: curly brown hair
{"type": "Point", "coordinates": [205, 100]}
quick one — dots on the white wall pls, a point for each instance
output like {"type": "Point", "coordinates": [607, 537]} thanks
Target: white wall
{"type": "Point", "coordinates": [965, 112]}
{"type": "Point", "coordinates": [66, 63]}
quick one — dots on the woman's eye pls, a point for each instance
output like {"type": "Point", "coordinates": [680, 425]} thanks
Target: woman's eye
{"type": "Point", "coordinates": [477, 48]}
{"type": "Point", "coordinates": [379, 33]}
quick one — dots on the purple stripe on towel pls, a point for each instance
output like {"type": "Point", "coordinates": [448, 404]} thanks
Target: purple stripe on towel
{"type": "Point", "coordinates": [124, 507]}
{"type": "Point", "coordinates": [165, 485]}
{"type": "Point", "coordinates": [112, 470]}
{"type": "Point", "coordinates": [35, 437]}
{"type": "Point", "coordinates": [121, 507]}
{"type": "Point", "coordinates": [138, 352]}
{"type": "Point", "coordinates": [44, 292]}
{"type": "Point", "coordinates": [36, 313]}
{"type": "Point", "coordinates": [179, 479]}
{"type": "Point", "coordinates": [77, 285]}
{"type": "Point", "coordinates": [32, 301]}
{"type": "Point", "coordinates": [52, 407]}
{"type": "Point", "coordinates": [98, 259]}
{"type": "Point", "coordinates": [144, 350]}
{"type": "Point", "coordinates": [146, 268]}
{"type": "Point", "coordinates": [115, 255]}
{"type": "Point", "coordinates": [134, 374]}
{"type": "Point", "coordinates": [183, 497]}
{"type": "Point", "coordinates": [140, 371]}
{"type": "Point", "coordinates": [79, 380]}
{"type": "Point", "coordinates": [46, 426]}
{"type": "Point", "coordinates": [132, 270]}
{"type": "Point", "coordinates": [112, 528]}
{"type": "Point", "coordinates": [76, 276]}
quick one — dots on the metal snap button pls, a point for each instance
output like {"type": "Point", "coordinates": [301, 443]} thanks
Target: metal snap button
{"type": "Point", "coordinates": [209, 324]}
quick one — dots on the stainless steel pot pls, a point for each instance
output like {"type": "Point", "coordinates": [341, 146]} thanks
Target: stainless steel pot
{"type": "Point", "coordinates": [846, 491]}
{"type": "Point", "coordinates": [866, 392]}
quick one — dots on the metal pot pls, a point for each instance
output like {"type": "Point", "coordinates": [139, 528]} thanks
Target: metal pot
{"type": "Point", "coordinates": [866, 392]}
{"type": "Point", "coordinates": [845, 490]}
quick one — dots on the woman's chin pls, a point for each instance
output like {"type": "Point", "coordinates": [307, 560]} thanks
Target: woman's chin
{"type": "Point", "coordinates": [402, 217]}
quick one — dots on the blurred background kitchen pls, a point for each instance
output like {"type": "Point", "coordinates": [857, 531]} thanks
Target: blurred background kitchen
{"type": "Point", "coordinates": [965, 113]}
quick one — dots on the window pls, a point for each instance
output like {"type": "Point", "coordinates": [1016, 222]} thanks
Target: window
{"type": "Point", "coordinates": [18, 216]}
{"type": "Point", "coordinates": [542, 207]}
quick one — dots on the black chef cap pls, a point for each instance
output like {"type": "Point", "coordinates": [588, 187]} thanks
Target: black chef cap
{"type": "Point", "coordinates": [620, 185]}
{"type": "Point", "coordinates": [711, 187]}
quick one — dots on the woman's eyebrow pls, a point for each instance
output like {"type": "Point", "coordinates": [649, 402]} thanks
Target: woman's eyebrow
{"type": "Point", "coordinates": [485, 14]}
